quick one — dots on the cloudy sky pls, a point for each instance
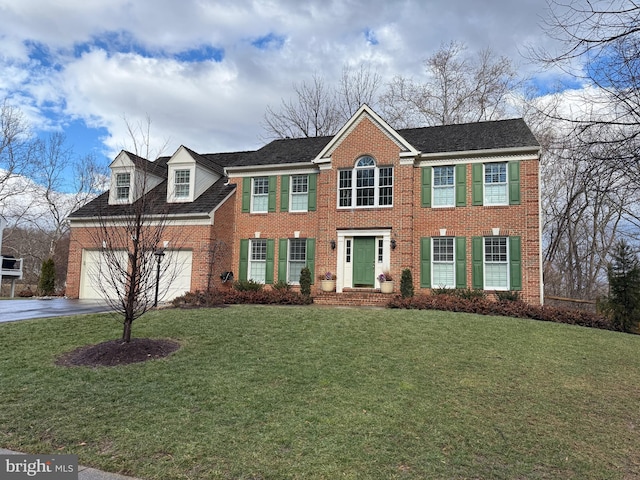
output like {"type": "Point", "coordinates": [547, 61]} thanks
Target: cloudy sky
{"type": "Point", "coordinates": [204, 71]}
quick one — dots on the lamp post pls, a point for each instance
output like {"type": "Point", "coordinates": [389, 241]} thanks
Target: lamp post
{"type": "Point", "coordinates": [159, 253]}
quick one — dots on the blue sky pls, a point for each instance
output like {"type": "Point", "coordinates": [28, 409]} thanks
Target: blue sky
{"type": "Point", "coordinates": [205, 71]}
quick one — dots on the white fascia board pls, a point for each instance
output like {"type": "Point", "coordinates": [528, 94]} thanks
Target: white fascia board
{"type": "Point", "coordinates": [280, 169]}
{"type": "Point", "coordinates": [494, 152]}
{"type": "Point", "coordinates": [169, 220]}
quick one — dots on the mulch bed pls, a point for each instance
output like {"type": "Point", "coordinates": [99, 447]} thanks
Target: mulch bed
{"type": "Point", "coordinates": [117, 352]}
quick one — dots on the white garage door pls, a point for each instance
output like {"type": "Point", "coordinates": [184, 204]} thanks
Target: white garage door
{"type": "Point", "coordinates": [175, 277]}
{"type": "Point", "coordinates": [94, 275]}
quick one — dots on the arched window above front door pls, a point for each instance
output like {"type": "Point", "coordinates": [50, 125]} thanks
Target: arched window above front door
{"type": "Point", "coordinates": [366, 185]}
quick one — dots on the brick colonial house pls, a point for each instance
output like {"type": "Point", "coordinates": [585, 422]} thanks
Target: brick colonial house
{"type": "Point", "coordinates": [458, 205]}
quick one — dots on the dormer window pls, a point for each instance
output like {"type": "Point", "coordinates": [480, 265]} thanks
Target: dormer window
{"type": "Point", "coordinates": [181, 185]}
{"type": "Point", "coordinates": [123, 186]}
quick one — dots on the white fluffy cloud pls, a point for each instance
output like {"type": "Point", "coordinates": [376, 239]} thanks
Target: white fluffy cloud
{"type": "Point", "coordinates": [99, 61]}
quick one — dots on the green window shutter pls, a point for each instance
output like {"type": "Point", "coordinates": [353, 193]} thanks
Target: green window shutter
{"type": "Point", "coordinates": [244, 260]}
{"type": "Point", "coordinates": [478, 183]}
{"type": "Point", "coordinates": [425, 262]}
{"type": "Point", "coordinates": [246, 195]}
{"type": "Point", "coordinates": [313, 187]}
{"type": "Point", "coordinates": [272, 193]}
{"type": "Point", "coordinates": [311, 257]}
{"type": "Point", "coordinates": [514, 182]}
{"type": "Point", "coordinates": [477, 254]}
{"type": "Point", "coordinates": [268, 276]}
{"type": "Point", "coordinates": [426, 187]}
{"type": "Point", "coordinates": [515, 263]}
{"type": "Point", "coordinates": [282, 259]}
{"type": "Point", "coordinates": [461, 185]}
{"type": "Point", "coordinates": [284, 193]}
{"type": "Point", "coordinates": [461, 262]}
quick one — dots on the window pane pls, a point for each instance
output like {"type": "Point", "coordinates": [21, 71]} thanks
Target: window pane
{"type": "Point", "coordinates": [299, 193]}
{"type": "Point", "coordinates": [182, 183]}
{"type": "Point", "coordinates": [495, 173]}
{"type": "Point", "coordinates": [365, 193]}
{"type": "Point", "coordinates": [443, 266]}
{"type": "Point", "coordinates": [496, 276]}
{"type": "Point", "coordinates": [366, 162]}
{"type": "Point", "coordinates": [386, 186]}
{"type": "Point", "coordinates": [442, 176]}
{"type": "Point", "coordinates": [443, 249]}
{"type": "Point", "coordinates": [496, 265]}
{"type": "Point", "coordinates": [495, 184]}
{"type": "Point", "coordinates": [258, 263]}
{"type": "Point", "coordinates": [345, 188]}
{"type": "Point", "coordinates": [443, 275]}
{"type": "Point", "coordinates": [495, 249]}
{"type": "Point", "coordinates": [260, 200]}
{"type": "Point", "coordinates": [297, 259]}
{"type": "Point", "coordinates": [123, 181]}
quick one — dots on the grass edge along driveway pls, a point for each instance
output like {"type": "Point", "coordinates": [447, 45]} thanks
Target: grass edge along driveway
{"type": "Point", "coordinates": [309, 392]}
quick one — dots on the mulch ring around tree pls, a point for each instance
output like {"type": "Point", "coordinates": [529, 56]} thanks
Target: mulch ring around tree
{"type": "Point", "coordinates": [117, 352]}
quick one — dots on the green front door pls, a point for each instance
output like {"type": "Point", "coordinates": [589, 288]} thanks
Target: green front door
{"type": "Point", "coordinates": [364, 257]}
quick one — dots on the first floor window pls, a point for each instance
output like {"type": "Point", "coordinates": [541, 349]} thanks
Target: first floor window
{"type": "Point", "coordinates": [496, 263]}
{"type": "Point", "coordinates": [260, 195]}
{"type": "Point", "coordinates": [258, 260]}
{"type": "Point", "coordinates": [182, 183]}
{"type": "Point", "coordinates": [297, 259]}
{"type": "Point", "coordinates": [123, 184]}
{"type": "Point", "coordinates": [443, 263]}
{"type": "Point", "coordinates": [495, 184]}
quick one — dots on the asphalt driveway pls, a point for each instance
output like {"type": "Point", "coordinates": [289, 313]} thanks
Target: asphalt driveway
{"type": "Point", "coordinates": [11, 310]}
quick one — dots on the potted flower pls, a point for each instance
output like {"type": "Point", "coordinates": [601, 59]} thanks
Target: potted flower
{"type": "Point", "coordinates": [386, 282]}
{"type": "Point", "coordinates": [328, 282]}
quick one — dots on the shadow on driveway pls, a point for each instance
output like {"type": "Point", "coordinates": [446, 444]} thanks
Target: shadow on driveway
{"type": "Point", "coordinates": [12, 310]}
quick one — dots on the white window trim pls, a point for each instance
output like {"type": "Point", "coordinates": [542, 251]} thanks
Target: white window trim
{"type": "Point", "coordinates": [434, 187]}
{"type": "Point", "coordinates": [433, 262]}
{"type": "Point", "coordinates": [291, 193]}
{"type": "Point", "coordinates": [113, 190]}
{"type": "Point", "coordinates": [252, 261]}
{"type": "Point", "coordinates": [171, 181]}
{"type": "Point", "coordinates": [289, 250]}
{"type": "Point", "coordinates": [253, 195]}
{"type": "Point", "coordinates": [484, 266]}
{"type": "Point", "coordinates": [376, 185]}
{"type": "Point", "coordinates": [505, 183]}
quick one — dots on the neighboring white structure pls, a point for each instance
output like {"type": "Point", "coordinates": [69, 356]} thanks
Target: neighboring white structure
{"type": "Point", "coordinates": [10, 267]}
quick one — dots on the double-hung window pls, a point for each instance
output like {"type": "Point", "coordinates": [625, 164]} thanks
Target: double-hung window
{"type": "Point", "coordinates": [496, 263]}
{"type": "Point", "coordinates": [299, 193]}
{"type": "Point", "coordinates": [366, 185]}
{"type": "Point", "coordinates": [123, 186]}
{"type": "Point", "coordinates": [181, 183]}
{"type": "Point", "coordinates": [260, 195]}
{"type": "Point", "coordinates": [258, 260]}
{"type": "Point", "coordinates": [495, 184]}
{"type": "Point", "coordinates": [443, 263]}
{"type": "Point", "coordinates": [297, 259]}
{"type": "Point", "coordinates": [443, 186]}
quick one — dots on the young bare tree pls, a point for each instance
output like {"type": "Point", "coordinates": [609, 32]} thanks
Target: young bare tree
{"type": "Point", "coordinates": [458, 88]}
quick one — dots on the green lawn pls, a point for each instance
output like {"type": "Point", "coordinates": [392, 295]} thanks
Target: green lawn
{"type": "Point", "coordinates": [308, 392]}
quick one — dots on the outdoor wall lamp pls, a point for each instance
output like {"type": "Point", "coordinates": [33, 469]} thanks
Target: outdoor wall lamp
{"type": "Point", "coordinates": [333, 244]}
{"type": "Point", "coordinates": [159, 253]}
{"type": "Point", "coordinates": [393, 244]}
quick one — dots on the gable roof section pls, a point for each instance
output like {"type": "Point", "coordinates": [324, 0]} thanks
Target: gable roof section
{"type": "Point", "coordinates": [364, 112]}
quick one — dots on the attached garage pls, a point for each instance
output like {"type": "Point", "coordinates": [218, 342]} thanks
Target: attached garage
{"type": "Point", "coordinates": [175, 276]}
{"type": "Point", "coordinates": [94, 275]}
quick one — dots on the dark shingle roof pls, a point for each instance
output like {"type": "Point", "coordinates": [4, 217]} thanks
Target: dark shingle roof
{"type": "Point", "coordinates": [204, 204]}
{"type": "Point", "coordinates": [288, 150]}
{"type": "Point", "coordinates": [471, 136]}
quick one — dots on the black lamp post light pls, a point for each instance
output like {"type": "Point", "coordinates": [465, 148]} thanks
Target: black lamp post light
{"type": "Point", "coordinates": [159, 253]}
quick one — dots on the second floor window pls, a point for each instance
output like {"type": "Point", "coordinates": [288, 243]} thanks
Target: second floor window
{"type": "Point", "coordinates": [495, 184]}
{"type": "Point", "coordinates": [123, 184]}
{"type": "Point", "coordinates": [260, 194]}
{"type": "Point", "coordinates": [182, 183]}
{"type": "Point", "coordinates": [443, 186]}
{"type": "Point", "coordinates": [366, 185]}
{"type": "Point", "coordinates": [299, 193]}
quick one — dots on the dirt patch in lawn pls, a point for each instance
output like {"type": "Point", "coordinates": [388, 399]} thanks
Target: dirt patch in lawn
{"type": "Point", "coordinates": [117, 352]}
